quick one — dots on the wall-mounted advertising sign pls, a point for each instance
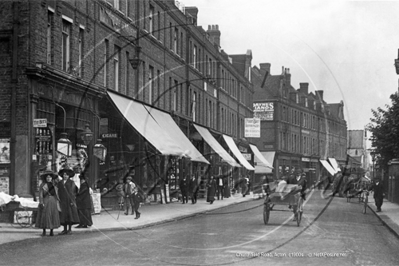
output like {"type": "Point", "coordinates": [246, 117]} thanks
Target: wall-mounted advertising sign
{"type": "Point", "coordinates": [252, 128]}
{"type": "Point", "coordinates": [264, 111]}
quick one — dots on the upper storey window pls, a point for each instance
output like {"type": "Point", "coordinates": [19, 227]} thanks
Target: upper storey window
{"type": "Point", "coordinates": [66, 49]}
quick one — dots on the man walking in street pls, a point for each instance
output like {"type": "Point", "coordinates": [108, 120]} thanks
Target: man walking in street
{"type": "Point", "coordinates": [193, 187]}
{"type": "Point", "coordinates": [220, 187]}
{"type": "Point", "coordinates": [184, 189]}
{"type": "Point", "coordinates": [378, 193]}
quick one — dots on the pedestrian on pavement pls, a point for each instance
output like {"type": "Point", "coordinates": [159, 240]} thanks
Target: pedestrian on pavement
{"type": "Point", "coordinates": [48, 216]}
{"type": "Point", "coordinates": [193, 189]}
{"type": "Point", "coordinates": [211, 185]}
{"type": "Point", "coordinates": [245, 186]}
{"type": "Point", "coordinates": [120, 193]}
{"type": "Point", "coordinates": [83, 201]}
{"type": "Point", "coordinates": [184, 189]}
{"type": "Point", "coordinates": [226, 187]}
{"type": "Point", "coordinates": [378, 189]}
{"type": "Point", "coordinates": [129, 189]}
{"type": "Point", "coordinates": [67, 191]}
{"type": "Point", "coordinates": [220, 187]}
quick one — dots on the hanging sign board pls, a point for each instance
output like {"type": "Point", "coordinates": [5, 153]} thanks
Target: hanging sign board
{"type": "Point", "coordinates": [41, 122]}
{"type": "Point", "coordinates": [252, 127]}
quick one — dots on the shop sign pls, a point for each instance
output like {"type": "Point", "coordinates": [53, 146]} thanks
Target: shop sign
{"type": "Point", "coordinates": [252, 127]}
{"type": "Point", "coordinates": [247, 156]}
{"type": "Point", "coordinates": [109, 135]}
{"type": "Point", "coordinates": [40, 122]}
{"type": "Point", "coordinates": [264, 111]}
{"type": "Point", "coordinates": [305, 159]}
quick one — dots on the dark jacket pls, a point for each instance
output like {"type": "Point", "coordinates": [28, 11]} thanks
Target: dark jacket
{"type": "Point", "coordinates": [211, 185]}
{"type": "Point", "coordinates": [83, 197]}
{"type": "Point", "coordinates": [193, 185]}
{"type": "Point", "coordinates": [183, 186]}
{"type": "Point", "coordinates": [67, 196]}
{"type": "Point", "coordinates": [378, 189]}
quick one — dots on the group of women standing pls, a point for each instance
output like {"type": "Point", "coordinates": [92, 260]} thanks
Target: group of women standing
{"type": "Point", "coordinates": [62, 203]}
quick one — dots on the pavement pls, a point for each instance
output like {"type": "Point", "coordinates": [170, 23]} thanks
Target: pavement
{"type": "Point", "coordinates": [154, 214]}
{"type": "Point", "coordinates": [114, 220]}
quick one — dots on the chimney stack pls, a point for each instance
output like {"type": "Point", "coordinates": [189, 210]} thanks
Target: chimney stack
{"type": "Point", "coordinates": [192, 12]}
{"type": "Point", "coordinates": [288, 76]}
{"type": "Point", "coordinates": [265, 68]}
{"type": "Point", "coordinates": [214, 34]}
{"type": "Point", "coordinates": [319, 94]}
{"type": "Point", "coordinates": [304, 87]}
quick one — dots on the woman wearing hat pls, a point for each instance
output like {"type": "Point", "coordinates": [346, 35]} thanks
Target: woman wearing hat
{"type": "Point", "coordinates": [83, 202]}
{"type": "Point", "coordinates": [67, 193]}
{"type": "Point", "coordinates": [48, 214]}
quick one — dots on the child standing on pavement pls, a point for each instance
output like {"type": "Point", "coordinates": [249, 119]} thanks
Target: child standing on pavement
{"type": "Point", "coordinates": [120, 193]}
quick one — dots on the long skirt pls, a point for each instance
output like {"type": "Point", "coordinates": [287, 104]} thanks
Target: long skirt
{"type": "Point", "coordinates": [85, 217]}
{"type": "Point", "coordinates": [48, 217]}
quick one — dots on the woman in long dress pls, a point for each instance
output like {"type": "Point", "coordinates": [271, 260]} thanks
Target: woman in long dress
{"type": "Point", "coordinates": [48, 214]}
{"type": "Point", "coordinates": [211, 190]}
{"type": "Point", "coordinates": [67, 194]}
{"type": "Point", "coordinates": [84, 203]}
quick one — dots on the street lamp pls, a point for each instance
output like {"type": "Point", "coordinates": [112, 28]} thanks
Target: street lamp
{"type": "Point", "coordinates": [135, 62]}
{"type": "Point", "coordinates": [64, 145]}
{"type": "Point", "coordinates": [99, 150]}
{"type": "Point", "coordinates": [86, 135]}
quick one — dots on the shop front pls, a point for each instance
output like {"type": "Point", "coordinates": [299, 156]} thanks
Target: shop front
{"type": "Point", "coordinates": [148, 144]}
{"type": "Point", "coordinates": [62, 129]}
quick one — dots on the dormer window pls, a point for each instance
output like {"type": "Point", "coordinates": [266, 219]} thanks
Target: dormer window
{"type": "Point", "coordinates": [306, 102]}
{"type": "Point", "coordinates": [297, 98]}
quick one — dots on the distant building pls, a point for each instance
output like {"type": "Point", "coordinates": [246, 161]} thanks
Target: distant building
{"type": "Point", "coordinates": [297, 125]}
{"type": "Point", "coordinates": [357, 147]}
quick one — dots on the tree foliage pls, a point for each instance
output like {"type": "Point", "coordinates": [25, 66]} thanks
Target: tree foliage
{"type": "Point", "coordinates": [384, 128]}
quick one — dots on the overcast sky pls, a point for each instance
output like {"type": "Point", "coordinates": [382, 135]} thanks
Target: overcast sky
{"type": "Point", "coordinates": [346, 48]}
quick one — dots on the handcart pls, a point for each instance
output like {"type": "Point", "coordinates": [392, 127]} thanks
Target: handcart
{"type": "Point", "coordinates": [20, 209]}
{"type": "Point", "coordinates": [290, 196]}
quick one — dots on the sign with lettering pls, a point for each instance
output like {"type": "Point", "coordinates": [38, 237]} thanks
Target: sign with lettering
{"type": "Point", "coordinates": [109, 135]}
{"type": "Point", "coordinates": [96, 197]}
{"type": "Point", "coordinates": [252, 127]}
{"type": "Point", "coordinates": [264, 111]}
{"type": "Point", "coordinates": [40, 122]}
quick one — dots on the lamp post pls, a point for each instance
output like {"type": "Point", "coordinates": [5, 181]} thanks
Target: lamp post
{"type": "Point", "coordinates": [373, 160]}
{"type": "Point", "coordinates": [64, 145]}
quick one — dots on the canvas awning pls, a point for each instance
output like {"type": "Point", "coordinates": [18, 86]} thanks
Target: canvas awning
{"type": "Point", "coordinates": [328, 167]}
{"type": "Point", "coordinates": [233, 147]}
{"type": "Point", "coordinates": [334, 164]}
{"type": "Point", "coordinates": [166, 122]}
{"type": "Point", "coordinates": [214, 144]}
{"type": "Point", "coordinates": [162, 138]}
{"type": "Point", "coordinates": [261, 163]}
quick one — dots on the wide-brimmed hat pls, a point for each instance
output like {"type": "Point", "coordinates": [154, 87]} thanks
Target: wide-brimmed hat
{"type": "Point", "coordinates": [46, 173]}
{"type": "Point", "coordinates": [69, 172]}
{"type": "Point", "coordinates": [129, 178]}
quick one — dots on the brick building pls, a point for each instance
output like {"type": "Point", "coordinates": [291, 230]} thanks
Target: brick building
{"type": "Point", "coordinates": [297, 126]}
{"type": "Point", "coordinates": [67, 64]}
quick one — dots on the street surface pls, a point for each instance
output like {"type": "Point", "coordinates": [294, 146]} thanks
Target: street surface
{"type": "Point", "coordinates": [332, 232]}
